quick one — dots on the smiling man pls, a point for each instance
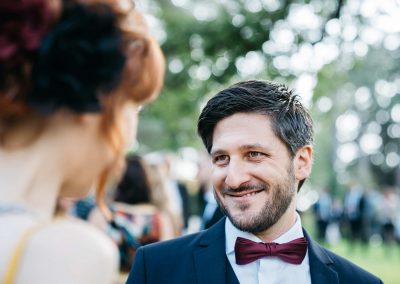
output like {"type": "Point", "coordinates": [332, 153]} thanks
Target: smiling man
{"type": "Point", "coordinates": [260, 139]}
{"type": "Point", "coordinates": [254, 176]}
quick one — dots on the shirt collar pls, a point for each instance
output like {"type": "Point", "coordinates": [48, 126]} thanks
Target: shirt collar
{"type": "Point", "coordinates": [231, 233]}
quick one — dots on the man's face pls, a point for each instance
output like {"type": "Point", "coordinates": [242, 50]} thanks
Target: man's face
{"type": "Point", "coordinates": [253, 173]}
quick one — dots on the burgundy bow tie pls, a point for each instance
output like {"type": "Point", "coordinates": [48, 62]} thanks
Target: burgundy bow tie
{"type": "Point", "coordinates": [247, 251]}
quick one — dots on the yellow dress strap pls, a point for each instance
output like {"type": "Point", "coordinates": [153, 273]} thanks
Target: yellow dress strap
{"type": "Point", "coordinates": [11, 269]}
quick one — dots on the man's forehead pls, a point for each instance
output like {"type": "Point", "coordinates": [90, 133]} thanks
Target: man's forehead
{"type": "Point", "coordinates": [245, 131]}
{"type": "Point", "coordinates": [245, 123]}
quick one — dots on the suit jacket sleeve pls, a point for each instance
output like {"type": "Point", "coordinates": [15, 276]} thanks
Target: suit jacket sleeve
{"type": "Point", "coordinates": [137, 274]}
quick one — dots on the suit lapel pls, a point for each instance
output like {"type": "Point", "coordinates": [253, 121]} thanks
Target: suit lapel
{"type": "Point", "coordinates": [210, 256]}
{"type": "Point", "coordinates": [320, 263]}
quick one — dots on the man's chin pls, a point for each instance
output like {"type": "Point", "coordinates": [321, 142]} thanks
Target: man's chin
{"type": "Point", "coordinates": [243, 223]}
{"type": "Point", "coordinates": [247, 227]}
{"type": "Point", "coordinates": [249, 222]}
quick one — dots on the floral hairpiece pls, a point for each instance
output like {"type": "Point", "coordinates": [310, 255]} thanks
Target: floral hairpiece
{"type": "Point", "coordinates": [22, 27]}
{"type": "Point", "coordinates": [80, 59]}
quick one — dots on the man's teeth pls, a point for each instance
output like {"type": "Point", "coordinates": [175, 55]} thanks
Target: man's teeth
{"type": "Point", "coordinates": [250, 194]}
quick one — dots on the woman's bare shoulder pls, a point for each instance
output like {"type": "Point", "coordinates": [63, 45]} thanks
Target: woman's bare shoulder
{"type": "Point", "coordinates": [69, 251]}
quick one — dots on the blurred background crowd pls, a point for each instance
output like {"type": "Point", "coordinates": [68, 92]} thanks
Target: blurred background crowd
{"type": "Point", "coordinates": [153, 185]}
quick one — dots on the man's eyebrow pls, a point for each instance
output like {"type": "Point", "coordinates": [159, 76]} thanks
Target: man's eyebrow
{"type": "Point", "coordinates": [217, 152]}
{"type": "Point", "coordinates": [241, 148]}
{"type": "Point", "coordinates": [252, 146]}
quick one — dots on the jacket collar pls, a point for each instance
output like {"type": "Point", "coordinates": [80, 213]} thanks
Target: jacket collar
{"type": "Point", "coordinates": [321, 269]}
{"type": "Point", "coordinates": [211, 264]}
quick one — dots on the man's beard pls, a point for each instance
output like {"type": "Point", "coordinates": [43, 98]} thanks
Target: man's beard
{"type": "Point", "coordinates": [281, 197]}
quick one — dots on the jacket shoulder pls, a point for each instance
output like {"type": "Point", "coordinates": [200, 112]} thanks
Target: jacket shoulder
{"type": "Point", "coordinates": [348, 272]}
{"type": "Point", "coordinates": [157, 262]}
{"type": "Point", "coordinates": [179, 245]}
{"type": "Point", "coordinates": [175, 261]}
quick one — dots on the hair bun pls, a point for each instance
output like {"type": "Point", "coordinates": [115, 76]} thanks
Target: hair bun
{"type": "Point", "coordinates": [78, 60]}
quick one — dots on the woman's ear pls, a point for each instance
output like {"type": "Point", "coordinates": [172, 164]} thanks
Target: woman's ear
{"type": "Point", "coordinates": [303, 162]}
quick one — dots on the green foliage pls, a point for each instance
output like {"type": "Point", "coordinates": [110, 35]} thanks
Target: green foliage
{"type": "Point", "coordinates": [195, 42]}
{"type": "Point", "coordinates": [203, 56]}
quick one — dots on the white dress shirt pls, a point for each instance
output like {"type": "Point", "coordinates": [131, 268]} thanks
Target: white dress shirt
{"type": "Point", "coordinates": [267, 270]}
{"type": "Point", "coordinates": [174, 196]}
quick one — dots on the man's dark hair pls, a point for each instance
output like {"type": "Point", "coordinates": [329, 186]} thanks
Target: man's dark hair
{"type": "Point", "coordinates": [291, 121]}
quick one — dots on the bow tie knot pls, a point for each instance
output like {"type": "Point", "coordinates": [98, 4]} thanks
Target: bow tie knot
{"type": "Point", "coordinates": [247, 251]}
{"type": "Point", "coordinates": [270, 248]}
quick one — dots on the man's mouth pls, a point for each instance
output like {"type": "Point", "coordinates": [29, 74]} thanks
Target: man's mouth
{"type": "Point", "coordinates": [244, 193]}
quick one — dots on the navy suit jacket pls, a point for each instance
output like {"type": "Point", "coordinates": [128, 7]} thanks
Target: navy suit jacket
{"type": "Point", "coordinates": [200, 258]}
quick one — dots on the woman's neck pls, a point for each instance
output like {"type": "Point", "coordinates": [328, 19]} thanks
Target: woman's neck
{"type": "Point", "coordinates": [28, 178]}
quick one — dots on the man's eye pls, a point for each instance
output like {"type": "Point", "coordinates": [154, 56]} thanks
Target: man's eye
{"type": "Point", "coordinates": [220, 160]}
{"type": "Point", "coordinates": [255, 154]}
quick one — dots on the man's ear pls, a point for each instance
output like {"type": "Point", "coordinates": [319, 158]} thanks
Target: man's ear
{"type": "Point", "coordinates": [303, 162]}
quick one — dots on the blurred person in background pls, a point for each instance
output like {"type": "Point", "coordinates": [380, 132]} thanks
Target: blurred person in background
{"type": "Point", "coordinates": [73, 75]}
{"type": "Point", "coordinates": [397, 218]}
{"type": "Point", "coordinates": [389, 207]}
{"type": "Point", "coordinates": [333, 231]}
{"type": "Point", "coordinates": [136, 220]}
{"type": "Point", "coordinates": [323, 214]}
{"type": "Point", "coordinates": [369, 215]}
{"type": "Point", "coordinates": [83, 207]}
{"type": "Point", "coordinates": [175, 194]}
{"type": "Point", "coordinates": [259, 137]}
{"type": "Point", "coordinates": [210, 211]}
{"type": "Point", "coordinates": [176, 190]}
{"type": "Point", "coordinates": [161, 199]}
{"type": "Point", "coordinates": [353, 206]}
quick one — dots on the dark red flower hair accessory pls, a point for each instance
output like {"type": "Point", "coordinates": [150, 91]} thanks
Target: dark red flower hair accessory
{"type": "Point", "coordinates": [23, 24]}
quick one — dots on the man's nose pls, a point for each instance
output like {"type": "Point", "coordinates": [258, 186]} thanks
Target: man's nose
{"type": "Point", "coordinates": [237, 174]}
